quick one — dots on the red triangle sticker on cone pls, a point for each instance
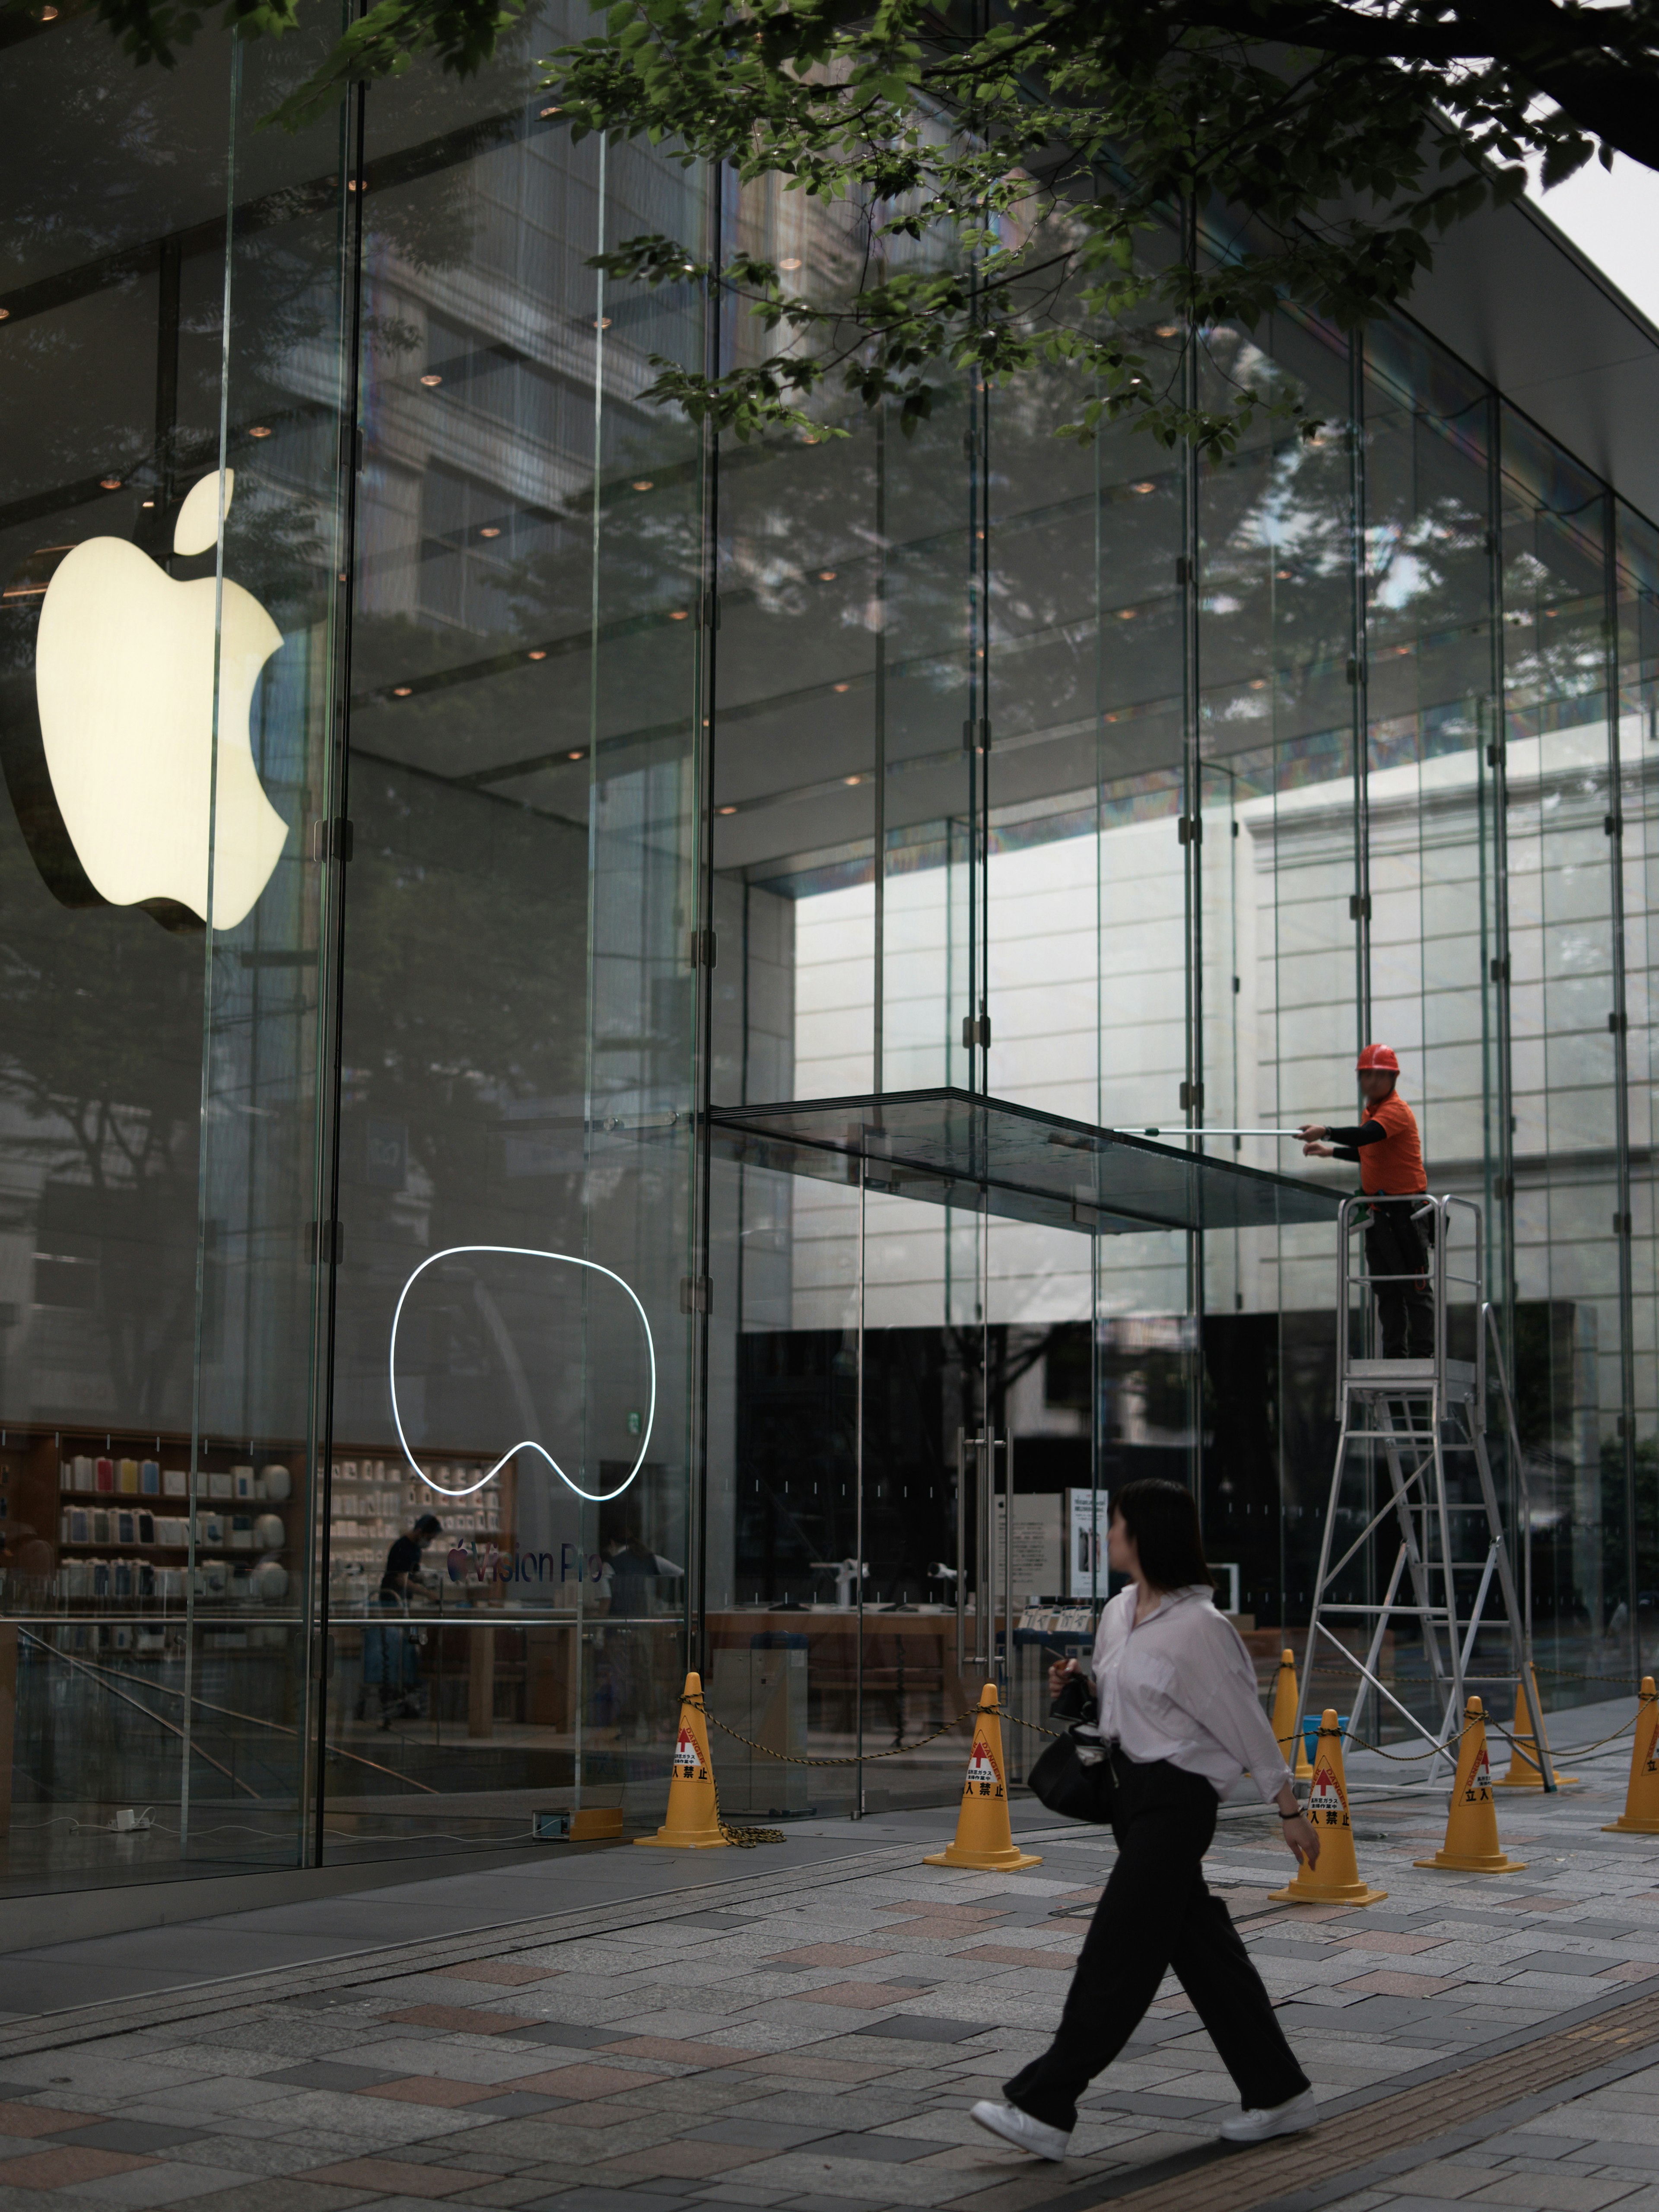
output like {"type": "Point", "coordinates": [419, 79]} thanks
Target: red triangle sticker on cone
{"type": "Point", "coordinates": [1324, 1797]}
{"type": "Point", "coordinates": [982, 1767]}
{"type": "Point", "coordinates": [688, 1759]}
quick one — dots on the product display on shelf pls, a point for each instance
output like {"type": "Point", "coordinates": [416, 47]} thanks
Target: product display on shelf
{"type": "Point", "coordinates": [109, 1527]}
{"type": "Point", "coordinates": [374, 1500]}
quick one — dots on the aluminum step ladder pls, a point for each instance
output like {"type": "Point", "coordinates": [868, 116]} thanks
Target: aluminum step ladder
{"type": "Point", "coordinates": [1407, 1417]}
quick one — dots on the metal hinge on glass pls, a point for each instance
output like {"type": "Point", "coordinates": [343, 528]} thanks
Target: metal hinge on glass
{"type": "Point", "coordinates": [976, 736]}
{"type": "Point", "coordinates": [699, 948]}
{"type": "Point", "coordinates": [1613, 825]}
{"type": "Point", "coordinates": [1360, 906]}
{"type": "Point", "coordinates": [1618, 1024]}
{"type": "Point", "coordinates": [976, 1029]}
{"type": "Point", "coordinates": [1504, 1187]}
{"type": "Point", "coordinates": [327, 1241]}
{"type": "Point", "coordinates": [1495, 753]}
{"type": "Point", "coordinates": [1356, 671]}
{"type": "Point", "coordinates": [696, 1294]}
{"type": "Point", "coordinates": [330, 838]}
{"type": "Point", "coordinates": [1500, 969]}
{"type": "Point", "coordinates": [1192, 1097]}
{"type": "Point", "coordinates": [1622, 1224]}
{"type": "Point", "coordinates": [1189, 829]}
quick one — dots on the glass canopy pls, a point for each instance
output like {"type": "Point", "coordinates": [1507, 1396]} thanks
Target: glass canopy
{"type": "Point", "coordinates": [953, 1147]}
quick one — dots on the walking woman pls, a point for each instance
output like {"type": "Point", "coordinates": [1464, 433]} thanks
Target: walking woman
{"type": "Point", "coordinates": [1180, 1719]}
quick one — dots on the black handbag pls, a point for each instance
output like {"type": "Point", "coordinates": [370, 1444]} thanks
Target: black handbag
{"type": "Point", "coordinates": [1073, 1778]}
{"type": "Point", "coordinates": [1073, 1775]}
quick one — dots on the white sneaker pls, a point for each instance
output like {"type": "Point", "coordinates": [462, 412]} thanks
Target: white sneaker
{"type": "Point", "coordinates": [1252, 2125]}
{"type": "Point", "coordinates": [1021, 2130]}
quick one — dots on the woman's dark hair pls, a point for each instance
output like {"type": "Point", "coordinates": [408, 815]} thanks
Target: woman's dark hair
{"type": "Point", "coordinates": [1162, 1518]}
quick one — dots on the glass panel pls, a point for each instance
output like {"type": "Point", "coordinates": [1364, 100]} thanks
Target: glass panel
{"type": "Point", "coordinates": [519, 1010]}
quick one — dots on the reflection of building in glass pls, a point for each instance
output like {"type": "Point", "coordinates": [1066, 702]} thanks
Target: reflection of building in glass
{"type": "Point", "coordinates": [637, 796]}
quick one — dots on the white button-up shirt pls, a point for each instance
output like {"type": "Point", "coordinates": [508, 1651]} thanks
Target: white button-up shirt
{"type": "Point", "coordinates": [1182, 1686]}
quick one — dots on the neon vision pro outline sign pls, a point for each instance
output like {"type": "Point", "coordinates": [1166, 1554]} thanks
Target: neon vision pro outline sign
{"type": "Point", "coordinates": [528, 1444]}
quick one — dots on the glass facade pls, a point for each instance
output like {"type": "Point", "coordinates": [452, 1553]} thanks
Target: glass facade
{"type": "Point", "coordinates": [455, 812]}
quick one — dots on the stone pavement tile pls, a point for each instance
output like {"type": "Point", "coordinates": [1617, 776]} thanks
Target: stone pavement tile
{"type": "Point", "coordinates": [393, 2176]}
{"type": "Point", "coordinates": [509, 2189]}
{"type": "Point", "coordinates": [1524, 2142]}
{"type": "Point", "coordinates": [921, 2027]}
{"type": "Point", "coordinates": [912, 2183]}
{"type": "Point", "coordinates": [831, 1954]}
{"type": "Point", "coordinates": [517, 2104]}
{"type": "Point", "coordinates": [571, 2035]}
{"type": "Point", "coordinates": [165, 2183]}
{"type": "Point", "coordinates": [1629, 1970]}
{"type": "Point", "coordinates": [66, 2167]}
{"type": "Point", "coordinates": [460, 2020]}
{"type": "Point", "coordinates": [281, 2196]}
{"type": "Point", "coordinates": [583, 2199]}
{"type": "Point", "coordinates": [1390, 1940]}
{"type": "Point", "coordinates": [1005, 1955]}
{"type": "Point", "coordinates": [507, 1972]}
{"type": "Point", "coordinates": [1441, 2178]}
{"type": "Point", "coordinates": [679, 2050]}
{"type": "Point", "coordinates": [577, 2080]}
{"type": "Point", "coordinates": [759, 2135]}
{"type": "Point", "coordinates": [681, 2160]}
{"type": "Point", "coordinates": [248, 2156]}
{"type": "Point", "coordinates": [858, 1996]}
{"type": "Point", "coordinates": [896, 2150]}
{"type": "Point", "coordinates": [128, 2135]}
{"type": "Point", "coordinates": [434, 2089]}
{"type": "Point", "coordinates": [816, 2201]}
{"type": "Point", "coordinates": [1388, 1982]}
{"type": "Point", "coordinates": [38, 2119]}
{"type": "Point", "coordinates": [1553, 2191]}
{"type": "Point", "coordinates": [1639, 2158]}
{"type": "Point", "coordinates": [849, 2072]}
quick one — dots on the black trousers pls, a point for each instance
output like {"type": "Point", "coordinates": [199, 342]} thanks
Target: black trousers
{"type": "Point", "coordinates": [1157, 1915]}
{"type": "Point", "coordinates": [1396, 1245]}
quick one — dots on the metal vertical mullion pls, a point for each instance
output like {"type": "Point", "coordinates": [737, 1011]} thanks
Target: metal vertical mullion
{"type": "Point", "coordinates": [1362, 827]}
{"type": "Point", "coordinates": [705, 717]}
{"type": "Point", "coordinates": [879, 1038]}
{"type": "Point", "coordinates": [858, 1509]}
{"type": "Point", "coordinates": [1621, 1082]}
{"type": "Point", "coordinates": [330, 998]}
{"type": "Point", "coordinates": [1192, 873]}
{"type": "Point", "coordinates": [1491, 770]}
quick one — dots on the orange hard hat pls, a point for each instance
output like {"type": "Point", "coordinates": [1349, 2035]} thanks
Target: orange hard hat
{"type": "Point", "coordinates": [1378, 1056]}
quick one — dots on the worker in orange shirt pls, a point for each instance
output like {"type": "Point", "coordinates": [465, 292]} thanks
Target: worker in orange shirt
{"type": "Point", "coordinates": [1390, 1157]}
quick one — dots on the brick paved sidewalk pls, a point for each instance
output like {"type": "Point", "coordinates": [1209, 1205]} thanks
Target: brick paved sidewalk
{"type": "Point", "coordinates": [819, 2048]}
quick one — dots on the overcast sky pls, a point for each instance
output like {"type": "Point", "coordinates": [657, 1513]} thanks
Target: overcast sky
{"type": "Point", "coordinates": [1615, 218]}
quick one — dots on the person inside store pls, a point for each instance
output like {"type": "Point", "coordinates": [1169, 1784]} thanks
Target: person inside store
{"type": "Point", "coordinates": [1179, 1714]}
{"type": "Point", "coordinates": [1390, 1156]}
{"type": "Point", "coordinates": [391, 1651]}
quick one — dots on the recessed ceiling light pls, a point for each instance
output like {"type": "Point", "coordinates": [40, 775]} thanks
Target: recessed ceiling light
{"type": "Point", "coordinates": [826, 575]}
{"type": "Point", "coordinates": [603, 323]}
{"type": "Point", "coordinates": [644, 484]}
{"type": "Point", "coordinates": [1258, 684]}
{"type": "Point", "coordinates": [538, 652]}
{"type": "Point", "coordinates": [432, 382]}
{"type": "Point", "coordinates": [490, 530]}
{"type": "Point", "coordinates": [258, 430]}
{"type": "Point", "coordinates": [546, 111]}
{"type": "Point", "coordinates": [842, 687]}
{"type": "Point", "coordinates": [727, 810]}
{"type": "Point", "coordinates": [150, 503]}
{"type": "Point", "coordinates": [48, 15]}
{"type": "Point", "coordinates": [5, 314]}
{"type": "Point", "coordinates": [789, 264]}
{"type": "Point", "coordinates": [679, 614]}
{"type": "Point", "coordinates": [401, 691]}
{"type": "Point", "coordinates": [1283, 575]}
{"type": "Point", "coordinates": [1169, 329]}
{"type": "Point", "coordinates": [1143, 487]}
{"type": "Point", "coordinates": [578, 754]}
{"type": "Point", "coordinates": [110, 483]}
{"type": "Point", "coordinates": [1127, 614]}
{"type": "Point", "coordinates": [852, 779]}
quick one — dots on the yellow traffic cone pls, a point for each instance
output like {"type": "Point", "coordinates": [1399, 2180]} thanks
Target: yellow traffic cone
{"type": "Point", "coordinates": [1336, 1879]}
{"type": "Point", "coordinates": [983, 1839]}
{"type": "Point", "coordinates": [693, 1822]}
{"type": "Point", "coordinates": [1284, 1720]}
{"type": "Point", "coordinates": [1641, 1814]}
{"type": "Point", "coordinates": [1472, 1844]}
{"type": "Point", "coordinates": [1524, 1771]}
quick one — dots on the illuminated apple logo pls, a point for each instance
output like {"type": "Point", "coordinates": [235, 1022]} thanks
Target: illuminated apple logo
{"type": "Point", "coordinates": [113, 774]}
